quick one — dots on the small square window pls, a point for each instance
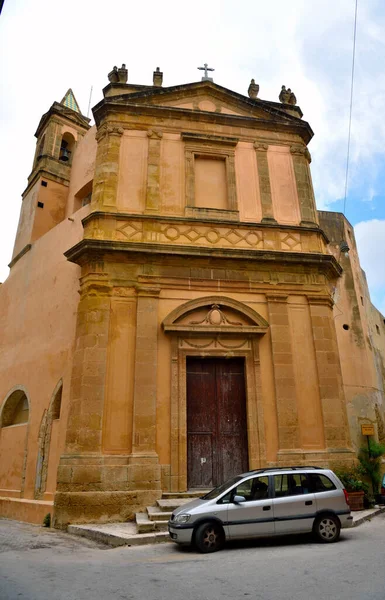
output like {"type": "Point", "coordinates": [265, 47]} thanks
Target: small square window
{"type": "Point", "coordinates": [40, 204]}
{"type": "Point", "coordinates": [44, 183]}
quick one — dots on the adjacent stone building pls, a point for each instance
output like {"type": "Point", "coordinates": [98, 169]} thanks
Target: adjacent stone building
{"type": "Point", "coordinates": [177, 310]}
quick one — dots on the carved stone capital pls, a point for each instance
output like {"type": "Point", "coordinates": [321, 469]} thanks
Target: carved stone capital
{"type": "Point", "coordinates": [108, 130]}
{"type": "Point", "coordinates": [321, 301]}
{"type": "Point", "coordinates": [152, 134]}
{"type": "Point", "coordinates": [260, 147]}
{"type": "Point", "coordinates": [301, 151]}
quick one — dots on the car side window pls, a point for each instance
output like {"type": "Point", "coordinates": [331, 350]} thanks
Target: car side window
{"type": "Point", "coordinates": [256, 488]}
{"type": "Point", "coordinates": [321, 483]}
{"type": "Point", "coordinates": [292, 484]}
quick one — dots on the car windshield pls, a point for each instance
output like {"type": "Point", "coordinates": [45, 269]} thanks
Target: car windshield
{"type": "Point", "coordinates": [221, 488]}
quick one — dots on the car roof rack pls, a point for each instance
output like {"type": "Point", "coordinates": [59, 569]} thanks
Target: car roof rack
{"type": "Point", "coordinates": [294, 468]}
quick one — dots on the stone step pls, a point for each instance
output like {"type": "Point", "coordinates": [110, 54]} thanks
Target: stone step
{"type": "Point", "coordinates": [154, 514]}
{"type": "Point", "coordinates": [170, 505]}
{"type": "Point", "coordinates": [191, 494]}
{"type": "Point", "coordinates": [144, 525]}
{"type": "Point", "coordinates": [118, 534]}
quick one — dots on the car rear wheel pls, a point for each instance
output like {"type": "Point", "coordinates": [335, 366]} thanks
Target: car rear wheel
{"type": "Point", "coordinates": [327, 528]}
{"type": "Point", "coordinates": [209, 537]}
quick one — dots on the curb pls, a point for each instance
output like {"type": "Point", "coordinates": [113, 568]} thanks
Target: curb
{"type": "Point", "coordinates": [367, 517]}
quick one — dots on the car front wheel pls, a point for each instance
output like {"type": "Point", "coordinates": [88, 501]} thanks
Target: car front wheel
{"type": "Point", "coordinates": [327, 528]}
{"type": "Point", "coordinates": [209, 537]}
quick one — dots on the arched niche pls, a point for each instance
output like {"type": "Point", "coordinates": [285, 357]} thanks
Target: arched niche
{"type": "Point", "coordinates": [46, 464]}
{"type": "Point", "coordinates": [14, 429]}
{"type": "Point", "coordinates": [67, 147]}
{"type": "Point", "coordinates": [15, 410]}
{"type": "Point", "coordinates": [214, 327]}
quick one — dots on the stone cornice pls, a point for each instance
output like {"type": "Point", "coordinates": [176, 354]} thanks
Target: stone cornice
{"type": "Point", "coordinates": [65, 113]}
{"type": "Point", "coordinates": [109, 107]}
{"type": "Point", "coordinates": [222, 140]}
{"type": "Point", "coordinates": [85, 249]}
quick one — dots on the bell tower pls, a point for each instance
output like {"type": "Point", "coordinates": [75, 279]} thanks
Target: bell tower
{"type": "Point", "coordinates": [45, 197]}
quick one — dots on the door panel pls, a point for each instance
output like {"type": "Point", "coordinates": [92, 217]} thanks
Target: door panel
{"type": "Point", "coordinates": [294, 505]}
{"type": "Point", "coordinates": [254, 517]}
{"type": "Point", "coordinates": [216, 421]}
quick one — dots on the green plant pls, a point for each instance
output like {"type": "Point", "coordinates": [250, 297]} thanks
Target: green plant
{"type": "Point", "coordinates": [370, 464]}
{"type": "Point", "coordinates": [351, 479]}
{"type": "Point", "coordinates": [47, 520]}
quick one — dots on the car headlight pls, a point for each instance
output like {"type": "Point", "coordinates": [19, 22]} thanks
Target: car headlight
{"type": "Point", "coordinates": [183, 518]}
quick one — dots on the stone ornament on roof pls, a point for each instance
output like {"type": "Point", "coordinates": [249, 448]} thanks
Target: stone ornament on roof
{"type": "Point", "coordinates": [118, 75]}
{"type": "Point", "coordinates": [286, 96]}
{"type": "Point", "coordinates": [253, 89]}
{"type": "Point", "coordinates": [157, 78]}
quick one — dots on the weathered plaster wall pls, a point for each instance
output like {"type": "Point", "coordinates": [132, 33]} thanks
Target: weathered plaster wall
{"type": "Point", "coordinates": [82, 170]}
{"type": "Point", "coordinates": [38, 305]}
{"type": "Point", "coordinates": [360, 346]}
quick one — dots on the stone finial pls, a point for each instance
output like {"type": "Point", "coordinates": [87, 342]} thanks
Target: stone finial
{"type": "Point", "coordinates": [113, 76]}
{"type": "Point", "coordinates": [123, 74]}
{"type": "Point", "coordinates": [253, 89]}
{"type": "Point", "coordinates": [157, 77]}
{"type": "Point", "coordinates": [118, 75]}
{"type": "Point", "coordinates": [292, 99]}
{"type": "Point", "coordinates": [286, 96]}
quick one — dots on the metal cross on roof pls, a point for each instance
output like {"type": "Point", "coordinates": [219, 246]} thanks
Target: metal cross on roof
{"type": "Point", "coordinates": [206, 68]}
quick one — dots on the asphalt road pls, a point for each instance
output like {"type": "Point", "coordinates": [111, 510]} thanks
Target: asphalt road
{"type": "Point", "coordinates": [40, 564]}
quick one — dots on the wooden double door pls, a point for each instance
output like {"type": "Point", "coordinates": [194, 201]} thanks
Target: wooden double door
{"type": "Point", "coordinates": [217, 445]}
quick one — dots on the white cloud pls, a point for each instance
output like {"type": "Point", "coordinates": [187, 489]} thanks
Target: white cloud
{"type": "Point", "coordinates": [370, 238]}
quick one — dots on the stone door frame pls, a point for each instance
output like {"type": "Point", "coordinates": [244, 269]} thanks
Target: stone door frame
{"type": "Point", "coordinates": [214, 341]}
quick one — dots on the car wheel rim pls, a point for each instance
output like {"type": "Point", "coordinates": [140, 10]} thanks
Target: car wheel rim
{"type": "Point", "coordinates": [210, 538]}
{"type": "Point", "coordinates": [327, 529]}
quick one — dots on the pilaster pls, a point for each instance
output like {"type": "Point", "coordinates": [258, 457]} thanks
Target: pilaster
{"type": "Point", "coordinates": [144, 466]}
{"type": "Point", "coordinates": [329, 373]}
{"type": "Point", "coordinates": [284, 374]}
{"type": "Point", "coordinates": [264, 183]}
{"type": "Point", "coordinates": [107, 167]}
{"type": "Point", "coordinates": [153, 171]}
{"type": "Point", "coordinates": [301, 159]}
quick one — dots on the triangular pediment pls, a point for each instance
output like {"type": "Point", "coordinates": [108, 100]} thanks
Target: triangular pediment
{"type": "Point", "coordinates": [207, 97]}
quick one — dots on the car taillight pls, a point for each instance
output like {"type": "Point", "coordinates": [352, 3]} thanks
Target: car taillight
{"type": "Point", "coordinates": [383, 491]}
{"type": "Point", "coordinates": [346, 497]}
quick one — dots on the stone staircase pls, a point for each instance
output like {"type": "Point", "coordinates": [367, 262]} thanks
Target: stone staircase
{"type": "Point", "coordinates": [156, 517]}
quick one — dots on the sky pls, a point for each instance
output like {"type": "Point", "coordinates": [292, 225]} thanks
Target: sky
{"type": "Point", "coordinates": [47, 47]}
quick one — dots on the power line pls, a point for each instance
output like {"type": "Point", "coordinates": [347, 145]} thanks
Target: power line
{"type": "Point", "coordinates": [351, 107]}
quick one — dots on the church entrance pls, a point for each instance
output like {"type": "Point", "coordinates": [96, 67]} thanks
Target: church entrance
{"type": "Point", "coordinates": [217, 446]}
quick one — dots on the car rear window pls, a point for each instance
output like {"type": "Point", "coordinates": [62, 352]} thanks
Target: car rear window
{"type": "Point", "coordinates": [321, 483]}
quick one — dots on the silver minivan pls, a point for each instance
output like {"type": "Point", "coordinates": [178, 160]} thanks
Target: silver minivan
{"type": "Point", "coordinates": [263, 503]}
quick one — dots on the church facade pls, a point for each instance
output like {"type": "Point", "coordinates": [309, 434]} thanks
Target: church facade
{"type": "Point", "coordinates": [177, 309]}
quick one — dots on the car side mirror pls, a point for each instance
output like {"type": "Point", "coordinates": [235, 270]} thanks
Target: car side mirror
{"type": "Point", "coordinates": [239, 499]}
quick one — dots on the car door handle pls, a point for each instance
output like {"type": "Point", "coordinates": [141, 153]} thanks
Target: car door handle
{"type": "Point", "coordinates": [309, 502]}
{"type": "Point", "coordinates": [266, 507]}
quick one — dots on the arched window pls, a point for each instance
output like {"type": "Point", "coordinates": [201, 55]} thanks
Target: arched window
{"type": "Point", "coordinates": [56, 404]}
{"type": "Point", "coordinates": [46, 469]}
{"type": "Point", "coordinates": [15, 410]}
{"type": "Point", "coordinates": [67, 148]}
